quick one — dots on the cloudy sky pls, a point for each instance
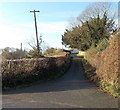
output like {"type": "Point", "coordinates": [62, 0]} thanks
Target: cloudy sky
{"type": "Point", "coordinates": [17, 23]}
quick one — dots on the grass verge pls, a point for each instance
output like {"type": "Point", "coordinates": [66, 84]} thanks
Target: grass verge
{"type": "Point", "coordinates": [91, 75]}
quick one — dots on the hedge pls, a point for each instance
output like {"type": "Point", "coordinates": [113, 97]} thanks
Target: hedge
{"type": "Point", "coordinates": [17, 72]}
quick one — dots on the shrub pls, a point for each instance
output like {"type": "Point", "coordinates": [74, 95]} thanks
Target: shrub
{"type": "Point", "coordinates": [17, 72]}
{"type": "Point", "coordinates": [102, 45]}
{"type": "Point", "coordinates": [106, 63]}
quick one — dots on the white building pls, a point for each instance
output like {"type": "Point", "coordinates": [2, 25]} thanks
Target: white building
{"type": "Point", "coordinates": [75, 51]}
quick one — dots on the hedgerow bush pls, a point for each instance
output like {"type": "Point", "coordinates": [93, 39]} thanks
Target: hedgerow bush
{"type": "Point", "coordinates": [106, 63]}
{"type": "Point", "coordinates": [17, 72]}
{"type": "Point", "coordinates": [90, 73]}
{"type": "Point", "coordinates": [101, 46]}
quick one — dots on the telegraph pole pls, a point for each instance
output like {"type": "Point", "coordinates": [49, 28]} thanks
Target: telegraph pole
{"type": "Point", "coordinates": [21, 46]}
{"type": "Point", "coordinates": [21, 51]}
{"type": "Point", "coordinates": [38, 48]}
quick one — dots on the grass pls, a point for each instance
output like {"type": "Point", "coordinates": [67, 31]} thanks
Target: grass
{"type": "Point", "coordinates": [80, 55]}
{"type": "Point", "coordinates": [113, 90]}
{"type": "Point", "coordinates": [90, 74]}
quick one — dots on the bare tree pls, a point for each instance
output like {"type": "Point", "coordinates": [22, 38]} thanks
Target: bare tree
{"type": "Point", "coordinates": [95, 9]}
{"type": "Point", "coordinates": [42, 44]}
{"type": "Point", "coordinates": [32, 43]}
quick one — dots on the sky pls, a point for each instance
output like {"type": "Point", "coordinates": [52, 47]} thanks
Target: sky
{"type": "Point", "coordinates": [17, 23]}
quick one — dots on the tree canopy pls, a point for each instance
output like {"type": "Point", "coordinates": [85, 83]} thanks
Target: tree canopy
{"type": "Point", "coordinates": [89, 32]}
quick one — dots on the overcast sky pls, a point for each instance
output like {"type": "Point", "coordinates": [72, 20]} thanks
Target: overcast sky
{"type": "Point", "coordinates": [17, 23]}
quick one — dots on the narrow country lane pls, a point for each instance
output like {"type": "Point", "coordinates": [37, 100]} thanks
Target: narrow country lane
{"type": "Point", "coordinates": [69, 91]}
